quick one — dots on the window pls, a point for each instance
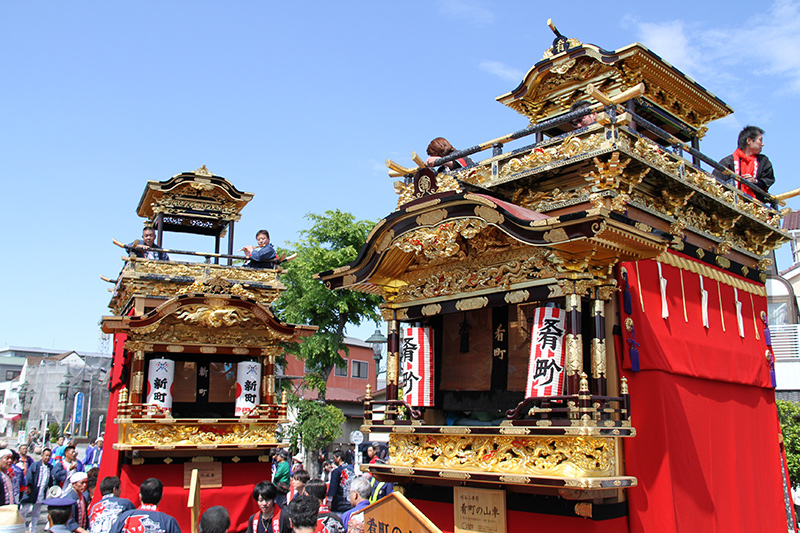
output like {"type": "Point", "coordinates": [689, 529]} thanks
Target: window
{"type": "Point", "coordinates": [340, 371]}
{"type": "Point", "coordinates": [360, 369]}
{"type": "Point", "coordinates": [12, 374]}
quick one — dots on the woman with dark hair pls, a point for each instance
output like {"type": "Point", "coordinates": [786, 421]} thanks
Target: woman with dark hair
{"type": "Point", "coordinates": [441, 147]}
{"type": "Point", "coordinates": [269, 518]}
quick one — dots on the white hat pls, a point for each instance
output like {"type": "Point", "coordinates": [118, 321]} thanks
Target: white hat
{"type": "Point", "coordinates": [78, 476]}
{"type": "Point", "coordinates": [4, 452]}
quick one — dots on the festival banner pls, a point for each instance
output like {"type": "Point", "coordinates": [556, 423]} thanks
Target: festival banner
{"type": "Point", "coordinates": [548, 349]}
{"type": "Point", "coordinates": [416, 366]}
{"type": "Point", "coordinates": [248, 386]}
{"type": "Point", "coordinates": [160, 376]}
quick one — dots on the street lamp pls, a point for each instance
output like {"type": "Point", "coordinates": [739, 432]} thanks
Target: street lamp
{"type": "Point", "coordinates": [25, 395]}
{"type": "Point", "coordinates": [377, 340]}
{"type": "Point", "coordinates": [63, 394]}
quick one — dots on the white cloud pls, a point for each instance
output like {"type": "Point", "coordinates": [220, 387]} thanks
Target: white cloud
{"type": "Point", "coordinates": [501, 70]}
{"type": "Point", "coordinates": [763, 44]}
{"type": "Point", "coordinates": [469, 11]}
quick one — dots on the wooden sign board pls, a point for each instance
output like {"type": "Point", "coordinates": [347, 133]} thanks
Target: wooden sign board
{"type": "Point", "coordinates": [209, 475]}
{"type": "Point", "coordinates": [479, 510]}
{"type": "Point", "coordinates": [395, 512]}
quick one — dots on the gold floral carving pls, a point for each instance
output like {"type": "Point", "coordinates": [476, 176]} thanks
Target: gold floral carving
{"type": "Point", "coordinates": [191, 435]}
{"type": "Point", "coordinates": [492, 216]}
{"type": "Point", "coordinates": [392, 363]}
{"type": "Point", "coordinates": [537, 157]}
{"type": "Point", "coordinates": [454, 475]}
{"type": "Point", "coordinates": [541, 200]}
{"type": "Point", "coordinates": [517, 480]}
{"type": "Point", "coordinates": [598, 358]}
{"type": "Point", "coordinates": [475, 175]}
{"type": "Point", "coordinates": [574, 344]}
{"type": "Point", "coordinates": [556, 235]}
{"type": "Point", "coordinates": [431, 217]}
{"type": "Point", "coordinates": [472, 303]}
{"type": "Point", "coordinates": [518, 454]}
{"type": "Point", "coordinates": [431, 309]}
{"type": "Point", "coordinates": [385, 242]}
{"type": "Point", "coordinates": [442, 241]}
{"type": "Point", "coordinates": [203, 271]}
{"type": "Point", "coordinates": [517, 297]}
{"type": "Point", "coordinates": [471, 275]}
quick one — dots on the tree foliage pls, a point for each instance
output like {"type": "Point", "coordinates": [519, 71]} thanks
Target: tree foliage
{"type": "Point", "coordinates": [790, 427]}
{"type": "Point", "coordinates": [333, 240]}
{"type": "Point", "coordinates": [317, 425]}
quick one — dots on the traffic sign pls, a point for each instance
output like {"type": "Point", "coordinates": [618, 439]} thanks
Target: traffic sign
{"type": "Point", "coordinates": [77, 412]}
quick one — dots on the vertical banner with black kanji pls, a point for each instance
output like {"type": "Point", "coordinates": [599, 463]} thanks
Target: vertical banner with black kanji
{"type": "Point", "coordinates": [416, 366]}
{"type": "Point", "coordinates": [248, 386]}
{"type": "Point", "coordinates": [548, 349]}
{"type": "Point", "coordinates": [160, 375]}
{"type": "Point", "coordinates": [500, 348]}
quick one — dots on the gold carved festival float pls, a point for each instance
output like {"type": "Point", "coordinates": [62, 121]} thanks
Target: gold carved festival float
{"type": "Point", "coordinates": [207, 323]}
{"type": "Point", "coordinates": [471, 253]}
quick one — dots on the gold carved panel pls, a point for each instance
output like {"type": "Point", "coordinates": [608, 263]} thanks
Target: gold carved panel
{"type": "Point", "coordinates": [518, 455]}
{"type": "Point", "coordinates": [194, 435]}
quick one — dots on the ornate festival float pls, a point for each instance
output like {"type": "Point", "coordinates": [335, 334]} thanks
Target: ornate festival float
{"type": "Point", "coordinates": [577, 332]}
{"type": "Point", "coordinates": [195, 345]}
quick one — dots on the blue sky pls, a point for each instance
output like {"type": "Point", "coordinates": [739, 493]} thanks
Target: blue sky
{"type": "Point", "coordinates": [300, 103]}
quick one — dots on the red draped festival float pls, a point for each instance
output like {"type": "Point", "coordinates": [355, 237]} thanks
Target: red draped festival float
{"type": "Point", "coordinates": [195, 344]}
{"type": "Point", "coordinates": [577, 331]}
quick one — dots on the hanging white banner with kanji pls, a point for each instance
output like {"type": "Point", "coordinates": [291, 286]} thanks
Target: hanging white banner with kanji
{"type": "Point", "coordinates": [248, 386]}
{"type": "Point", "coordinates": [416, 366]}
{"type": "Point", "coordinates": [548, 349]}
{"type": "Point", "coordinates": [160, 376]}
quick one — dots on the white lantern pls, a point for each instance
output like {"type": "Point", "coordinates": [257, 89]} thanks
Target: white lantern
{"type": "Point", "coordinates": [160, 376]}
{"type": "Point", "coordinates": [248, 386]}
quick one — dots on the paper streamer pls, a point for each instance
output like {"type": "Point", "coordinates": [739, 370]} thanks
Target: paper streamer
{"type": "Point", "coordinates": [704, 302]}
{"type": "Point", "coordinates": [662, 283]}
{"type": "Point", "coordinates": [739, 319]}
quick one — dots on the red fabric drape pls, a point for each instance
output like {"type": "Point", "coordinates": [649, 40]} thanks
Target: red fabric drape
{"type": "Point", "coordinates": [688, 348]}
{"type": "Point", "coordinates": [109, 465]}
{"type": "Point", "coordinates": [706, 455]}
{"type": "Point", "coordinates": [236, 495]}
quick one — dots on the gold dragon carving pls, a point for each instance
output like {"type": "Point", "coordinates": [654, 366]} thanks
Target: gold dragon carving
{"type": "Point", "coordinates": [193, 435]}
{"type": "Point", "coordinates": [498, 270]}
{"type": "Point", "coordinates": [213, 317]}
{"type": "Point", "coordinates": [569, 147]}
{"type": "Point", "coordinates": [521, 455]}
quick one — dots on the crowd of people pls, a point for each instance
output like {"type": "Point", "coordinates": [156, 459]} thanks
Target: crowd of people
{"type": "Point", "coordinates": [332, 500]}
{"type": "Point", "coordinates": [338, 493]}
{"type": "Point", "coordinates": [29, 483]}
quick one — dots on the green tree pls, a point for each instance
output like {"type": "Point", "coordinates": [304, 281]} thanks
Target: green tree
{"type": "Point", "coordinates": [317, 425]}
{"type": "Point", "coordinates": [788, 413]}
{"type": "Point", "coordinates": [55, 430]}
{"type": "Point", "coordinates": [333, 240]}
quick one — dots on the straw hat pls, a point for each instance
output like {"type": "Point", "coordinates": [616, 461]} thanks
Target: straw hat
{"type": "Point", "coordinates": [10, 519]}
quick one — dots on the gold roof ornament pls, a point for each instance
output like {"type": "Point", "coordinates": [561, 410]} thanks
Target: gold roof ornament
{"type": "Point", "coordinates": [193, 202]}
{"type": "Point", "coordinates": [551, 86]}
